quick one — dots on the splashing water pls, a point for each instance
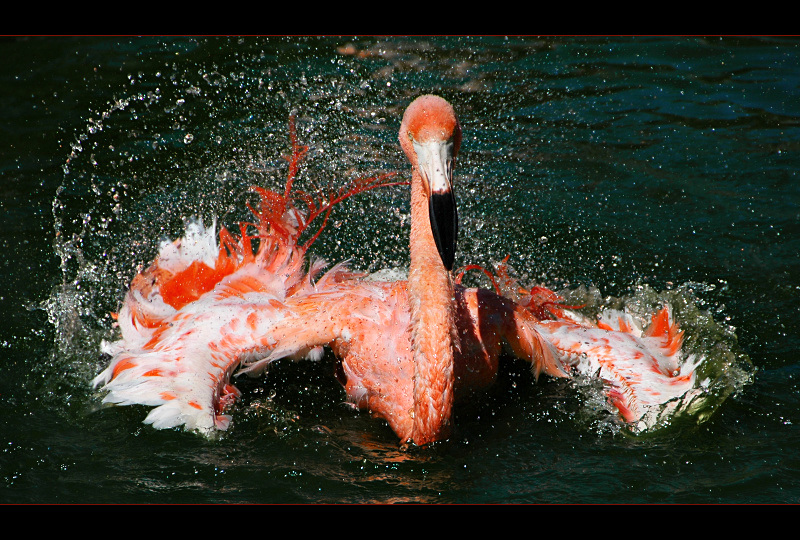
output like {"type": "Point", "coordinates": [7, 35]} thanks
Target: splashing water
{"type": "Point", "coordinates": [187, 146]}
{"type": "Point", "coordinates": [609, 169]}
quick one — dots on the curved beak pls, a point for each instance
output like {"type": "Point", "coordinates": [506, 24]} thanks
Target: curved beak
{"type": "Point", "coordinates": [435, 161]}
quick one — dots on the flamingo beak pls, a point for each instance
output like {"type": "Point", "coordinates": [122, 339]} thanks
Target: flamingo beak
{"type": "Point", "coordinates": [435, 161]}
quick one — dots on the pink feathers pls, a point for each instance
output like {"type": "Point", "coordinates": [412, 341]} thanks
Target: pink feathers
{"type": "Point", "coordinates": [210, 305]}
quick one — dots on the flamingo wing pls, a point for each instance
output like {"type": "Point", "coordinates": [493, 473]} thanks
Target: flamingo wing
{"type": "Point", "coordinates": [202, 310]}
{"type": "Point", "coordinates": [646, 374]}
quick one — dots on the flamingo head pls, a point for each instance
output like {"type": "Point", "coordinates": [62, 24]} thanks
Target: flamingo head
{"type": "Point", "coordinates": [430, 135]}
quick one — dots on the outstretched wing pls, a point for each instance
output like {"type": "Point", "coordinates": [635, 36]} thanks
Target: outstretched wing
{"type": "Point", "coordinates": [205, 307]}
{"type": "Point", "coordinates": [646, 375]}
{"type": "Point", "coordinates": [644, 371]}
{"type": "Point", "coordinates": [192, 318]}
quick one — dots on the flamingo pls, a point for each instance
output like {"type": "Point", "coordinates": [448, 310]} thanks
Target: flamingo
{"type": "Point", "coordinates": [408, 351]}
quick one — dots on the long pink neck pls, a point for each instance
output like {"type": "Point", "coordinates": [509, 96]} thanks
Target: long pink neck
{"type": "Point", "coordinates": [430, 288]}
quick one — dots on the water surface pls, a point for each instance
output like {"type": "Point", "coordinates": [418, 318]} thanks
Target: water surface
{"type": "Point", "coordinates": [613, 164]}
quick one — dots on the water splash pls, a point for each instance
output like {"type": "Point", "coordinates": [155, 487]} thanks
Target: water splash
{"type": "Point", "coordinates": [191, 140]}
{"type": "Point", "coordinates": [725, 368]}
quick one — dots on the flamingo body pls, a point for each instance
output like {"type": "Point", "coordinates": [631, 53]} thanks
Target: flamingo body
{"type": "Point", "coordinates": [407, 349]}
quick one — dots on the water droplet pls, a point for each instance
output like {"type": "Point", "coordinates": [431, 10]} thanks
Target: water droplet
{"type": "Point", "coordinates": [188, 138]}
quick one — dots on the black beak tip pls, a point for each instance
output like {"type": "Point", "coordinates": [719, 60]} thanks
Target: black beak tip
{"type": "Point", "coordinates": [444, 225]}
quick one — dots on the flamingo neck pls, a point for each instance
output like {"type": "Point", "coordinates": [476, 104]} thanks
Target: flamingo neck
{"type": "Point", "coordinates": [430, 288]}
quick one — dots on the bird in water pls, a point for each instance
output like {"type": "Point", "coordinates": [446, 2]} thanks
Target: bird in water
{"type": "Point", "coordinates": [212, 305]}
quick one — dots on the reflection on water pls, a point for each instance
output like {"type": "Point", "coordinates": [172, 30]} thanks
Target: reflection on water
{"type": "Point", "coordinates": [622, 166]}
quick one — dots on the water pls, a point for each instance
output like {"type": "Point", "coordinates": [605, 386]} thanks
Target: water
{"type": "Point", "coordinates": [624, 166]}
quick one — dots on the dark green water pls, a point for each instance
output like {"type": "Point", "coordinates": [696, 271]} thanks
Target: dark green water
{"type": "Point", "coordinates": [615, 164]}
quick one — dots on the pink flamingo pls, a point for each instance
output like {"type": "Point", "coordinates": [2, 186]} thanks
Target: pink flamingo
{"type": "Point", "coordinates": [408, 350]}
